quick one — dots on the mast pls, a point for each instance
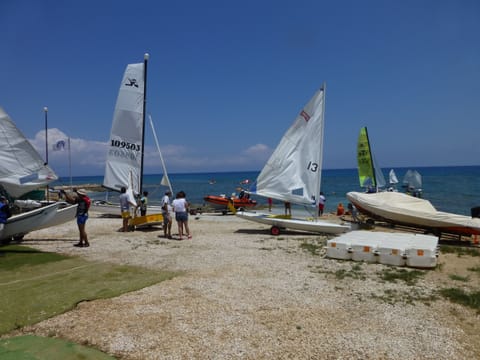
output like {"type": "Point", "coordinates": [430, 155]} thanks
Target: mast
{"type": "Point", "coordinates": [371, 159]}
{"type": "Point", "coordinates": [145, 62]}
{"type": "Point", "coordinates": [45, 110]}
{"type": "Point", "coordinates": [320, 150]}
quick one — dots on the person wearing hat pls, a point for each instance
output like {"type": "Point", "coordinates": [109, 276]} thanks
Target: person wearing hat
{"type": "Point", "coordinates": [83, 202]}
{"type": "Point", "coordinates": [4, 212]}
{"type": "Point", "coordinates": [166, 213]}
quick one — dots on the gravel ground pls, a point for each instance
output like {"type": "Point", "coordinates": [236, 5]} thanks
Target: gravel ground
{"type": "Point", "coordinates": [244, 294]}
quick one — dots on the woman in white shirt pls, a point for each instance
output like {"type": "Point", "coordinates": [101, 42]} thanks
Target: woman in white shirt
{"type": "Point", "coordinates": [180, 206]}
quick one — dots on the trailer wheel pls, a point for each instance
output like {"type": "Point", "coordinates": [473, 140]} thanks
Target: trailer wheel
{"type": "Point", "coordinates": [275, 230]}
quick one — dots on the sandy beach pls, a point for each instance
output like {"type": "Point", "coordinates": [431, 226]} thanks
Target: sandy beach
{"type": "Point", "coordinates": [244, 294]}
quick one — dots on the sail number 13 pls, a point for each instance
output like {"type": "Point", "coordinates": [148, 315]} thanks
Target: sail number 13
{"type": "Point", "coordinates": [312, 166]}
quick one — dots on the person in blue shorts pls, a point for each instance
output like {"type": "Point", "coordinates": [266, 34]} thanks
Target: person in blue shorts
{"type": "Point", "coordinates": [83, 202]}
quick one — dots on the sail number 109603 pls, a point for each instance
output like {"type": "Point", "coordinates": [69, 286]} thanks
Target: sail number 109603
{"type": "Point", "coordinates": [125, 145]}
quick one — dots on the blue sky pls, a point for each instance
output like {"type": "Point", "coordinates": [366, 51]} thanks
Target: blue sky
{"type": "Point", "coordinates": [226, 79]}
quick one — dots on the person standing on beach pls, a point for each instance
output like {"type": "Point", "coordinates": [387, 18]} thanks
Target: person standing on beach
{"type": "Point", "coordinates": [288, 209]}
{"type": "Point", "coordinates": [180, 206]}
{"type": "Point", "coordinates": [125, 204]}
{"type": "Point", "coordinates": [83, 202]}
{"type": "Point", "coordinates": [166, 212]}
{"type": "Point", "coordinates": [4, 212]}
{"type": "Point", "coordinates": [270, 202]}
{"type": "Point", "coordinates": [321, 203]}
{"type": "Point", "coordinates": [144, 203]}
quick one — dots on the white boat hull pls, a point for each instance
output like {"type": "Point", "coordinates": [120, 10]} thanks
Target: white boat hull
{"type": "Point", "coordinates": [316, 226]}
{"type": "Point", "coordinates": [62, 215]}
{"type": "Point", "coordinates": [114, 209]}
{"type": "Point", "coordinates": [21, 224]}
{"type": "Point", "coordinates": [402, 209]}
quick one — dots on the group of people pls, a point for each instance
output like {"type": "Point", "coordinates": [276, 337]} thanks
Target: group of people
{"type": "Point", "coordinates": [178, 208]}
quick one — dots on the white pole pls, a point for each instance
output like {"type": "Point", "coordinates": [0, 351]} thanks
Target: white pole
{"type": "Point", "coordinates": [70, 163]}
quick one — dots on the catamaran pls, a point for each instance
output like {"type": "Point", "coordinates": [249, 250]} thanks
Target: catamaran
{"type": "Point", "coordinates": [293, 172]}
{"type": "Point", "coordinates": [124, 165]}
{"type": "Point", "coordinates": [22, 170]}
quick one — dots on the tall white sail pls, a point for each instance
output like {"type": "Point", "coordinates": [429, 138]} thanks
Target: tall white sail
{"type": "Point", "coordinates": [293, 172]}
{"type": "Point", "coordinates": [125, 147]}
{"type": "Point", "coordinates": [22, 169]}
{"type": "Point", "coordinates": [165, 179]}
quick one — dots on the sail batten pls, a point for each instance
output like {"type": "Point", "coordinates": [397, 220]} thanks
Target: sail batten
{"type": "Point", "coordinates": [22, 169]}
{"type": "Point", "coordinates": [293, 171]}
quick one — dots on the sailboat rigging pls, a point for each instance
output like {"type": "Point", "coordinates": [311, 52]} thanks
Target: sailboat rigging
{"type": "Point", "coordinates": [125, 156]}
{"type": "Point", "coordinates": [369, 173]}
{"type": "Point", "coordinates": [293, 172]}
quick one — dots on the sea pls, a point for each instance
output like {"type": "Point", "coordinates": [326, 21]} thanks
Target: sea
{"type": "Point", "coordinates": [454, 189]}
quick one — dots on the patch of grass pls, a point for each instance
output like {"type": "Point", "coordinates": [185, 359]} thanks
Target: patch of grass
{"type": "Point", "coordinates": [392, 296]}
{"type": "Point", "coordinates": [459, 278]}
{"type": "Point", "coordinates": [355, 273]}
{"type": "Point", "coordinates": [459, 250]}
{"type": "Point", "coordinates": [36, 286]}
{"type": "Point", "coordinates": [409, 276]}
{"type": "Point", "coordinates": [474, 269]}
{"type": "Point", "coordinates": [314, 249]}
{"type": "Point", "coordinates": [460, 296]}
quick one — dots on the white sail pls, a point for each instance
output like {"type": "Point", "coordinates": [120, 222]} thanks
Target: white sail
{"type": "Point", "coordinates": [412, 179]}
{"type": "Point", "coordinates": [22, 169]}
{"type": "Point", "coordinates": [392, 177]}
{"type": "Point", "coordinates": [293, 172]}
{"type": "Point", "coordinates": [165, 180]}
{"type": "Point", "coordinates": [125, 147]}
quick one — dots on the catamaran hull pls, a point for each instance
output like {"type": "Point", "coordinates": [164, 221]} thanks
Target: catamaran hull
{"type": "Point", "coordinates": [402, 209]}
{"type": "Point", "coordinates": [62, 215]}
{"type": "Point", "coordinates": [21, 224]}
{"type": "Point", "coordinates": [114, 210]}
{"type": "Point", "coordinates": [317, 226]}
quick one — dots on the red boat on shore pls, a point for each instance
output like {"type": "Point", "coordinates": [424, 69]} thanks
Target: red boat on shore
{"type": "Point", "coordinates": [220, 202]}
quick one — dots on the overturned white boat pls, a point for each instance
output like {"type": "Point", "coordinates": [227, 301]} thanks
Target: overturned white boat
{"type": "Point", "coordinates": [402, 209]}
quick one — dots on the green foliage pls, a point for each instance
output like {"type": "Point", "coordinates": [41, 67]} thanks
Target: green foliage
{"type": "Point", "coordinates": [460, 296]}
{"type": "Point", "coordinates": [312, 248]}
{"type": "Point", "coordinates": [459, 250]}
{"type": "Point", "coordinates": [459, 278]}
{"type": "Point", "coordinates": [409, 276]}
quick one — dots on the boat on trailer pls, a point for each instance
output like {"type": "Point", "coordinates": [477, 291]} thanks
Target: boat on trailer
{"type": "Point", "coordinates": [293, 173]}
{"type": "Point", "coordinates": [124, 165]}
{"type": "Point", "coordinates": [401, 209]}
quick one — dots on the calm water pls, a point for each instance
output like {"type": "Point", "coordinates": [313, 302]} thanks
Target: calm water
{"type": "Point", "coordinates": [453, 189]}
